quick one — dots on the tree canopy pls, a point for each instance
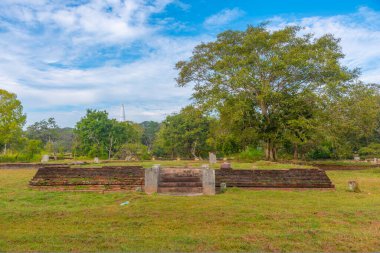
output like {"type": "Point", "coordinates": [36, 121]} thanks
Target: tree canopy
{"type": "Point", "coordinates": [12, 118]}
{"type": "Point", "coordinates": [184, 134]}
{"type": "Point", "coordinates": [272, 74]}
{"type": "Point", "coordinates": [100, 136]}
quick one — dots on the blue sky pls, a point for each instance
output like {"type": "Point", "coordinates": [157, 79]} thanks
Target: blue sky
{"type": "Point", "coordinates": [61, 57]}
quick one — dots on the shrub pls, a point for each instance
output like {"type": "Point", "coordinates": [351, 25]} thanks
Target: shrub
{"type": "Point", "coordinates": [322, 152]}
{"type": "Point", "coordinates": [251, 154]}
{"type": "Point", "coordinates": [12, 158]}
{"type": "Point", "coordinates": [372, 150]}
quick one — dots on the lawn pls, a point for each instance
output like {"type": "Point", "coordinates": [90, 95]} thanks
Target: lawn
{"type": "Point", "coordinates": [262, 165]}
{"type": "Point", "coordinates": [238, 220]}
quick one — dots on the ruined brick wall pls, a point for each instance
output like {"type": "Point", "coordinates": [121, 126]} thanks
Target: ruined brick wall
{"type": "Point", "coordinates": [293, 178]}
{"type": "Point", "coordinates": [26, 165]}
{"type": "Point", "coordinates": [101, 178]}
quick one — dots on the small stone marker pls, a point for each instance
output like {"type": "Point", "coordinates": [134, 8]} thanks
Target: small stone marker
{"type": "Point", "coordinates": [356, 158]}
{"type": "Point", "coordinates": [353, 186]}
{"type": "Point", "coordinates": [212, 157]}
{"type": "Point", "coordinates": [151, 179]}
{"type": "Point", "coordinates": [223, 187]}
{"type": "Point", "coordinates": [374, 161]}
{"type": "Point", "coordinates": [96, 160]}
{"type": "Point", "coordinates": [208, 181]}
{"type": "Point", "coordinates": [225, 166]}
{"type": "Point", "coordinates": [45, 159]}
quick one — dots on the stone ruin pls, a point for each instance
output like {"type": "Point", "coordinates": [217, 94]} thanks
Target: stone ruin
{"type": "Point", "coordinates": [107, 178]}
{"type": "Point", "coordinates": [175, 181]}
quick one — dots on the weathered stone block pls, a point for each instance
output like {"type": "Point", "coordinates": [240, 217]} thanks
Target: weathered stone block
{"type": "Point", "coordinates": [45, 159]}
{"type": "Point", "coordinates": [151, 179]}
{"type": "Point", "coordinates": [208, 181]}
{"type": "Point", "coordinates": [225, 166]}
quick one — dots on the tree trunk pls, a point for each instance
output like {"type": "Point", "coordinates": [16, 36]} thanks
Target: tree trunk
{"type": "Point", "coordinates": [270, 151]}
{"type": "Point", "coordinates": [5, 149]}
{"type": "Point", "coordinates": [193, 150]}
{"type": "Point", "coordinates": [295, 154]}
{"type": "Point", "coordinates": [274, 153]}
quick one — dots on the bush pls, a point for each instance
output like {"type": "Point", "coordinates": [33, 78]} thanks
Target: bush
{"type": "Point", "coordinates": [13, 158]}
{"type": "Point", "coordinates": [322, 152]}
{"type": "Point", "coordinates": [133, 151]}
{"type": "Point", "coordinates": [33, 148]}
{"type": "Point", "coordinates": [250, 154]}
{"type": "Point", "coordinates": [372, 150]}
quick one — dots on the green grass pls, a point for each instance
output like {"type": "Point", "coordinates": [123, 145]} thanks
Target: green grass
{"type": "Point", "coordinates": [238, 220]}
{"type": "Point", "coordinates": [343, 162]}
{"type": "Point", "coordinates": [197, 164]}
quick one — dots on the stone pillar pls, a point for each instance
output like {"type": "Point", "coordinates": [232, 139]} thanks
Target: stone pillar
{"type": "Point", "coordinates": [208, 181]}
{"type": "Point", "coordinates": [151, 179]}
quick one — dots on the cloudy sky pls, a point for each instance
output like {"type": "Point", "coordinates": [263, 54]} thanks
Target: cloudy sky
{"type": "Point", "coordinates": [61, 57]}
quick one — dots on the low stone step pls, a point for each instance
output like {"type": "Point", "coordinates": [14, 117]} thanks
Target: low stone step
{"type": "Point", "coordinates": [179, 175]}
{"type": "Point", "coordinates": [179, 179]}
{"type": "Point", "coordinates": [180, 184]}
{"type": "Point", "coordinates": [180, 189]}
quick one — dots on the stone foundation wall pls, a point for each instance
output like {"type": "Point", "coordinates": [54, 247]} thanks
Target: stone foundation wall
{"type": "Point", "coordinates": [116, 178]}
{"type": "Point", "coordinates": [27, 165]}
{"type": "Point", "coordinates": [102, 178]}
{"type": "Point", "coordinates": [293, 178]}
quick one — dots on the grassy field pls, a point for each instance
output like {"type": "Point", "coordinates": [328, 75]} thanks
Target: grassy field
{"type": "Point", "coordinates": [262, 165]}
{"type": "Point", "coordinates": [238, 220]}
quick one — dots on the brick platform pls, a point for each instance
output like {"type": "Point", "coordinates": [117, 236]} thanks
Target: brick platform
{"type": "Point", "coordinates": [176, 181]}
{"type": "Point", "coordinates": [96, 179]}
{"type": "Point", "coordinates": [292, 178]}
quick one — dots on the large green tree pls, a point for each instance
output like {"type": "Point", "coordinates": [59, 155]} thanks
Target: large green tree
{"type": "Point", "coordinates": [45, 130]}
{"type": "Point", "coordinates": [150, 129]}
{"type": "Point", "coordinates": [184, 134]}
{"type": "Point", "coordinates": [97, 135]}
{"type": "Point", "coordinates": [351, 120]}
{"type": "Point", "coordinates": [267, 70]}
{"type": "Point", "coordinates": [12, 118]}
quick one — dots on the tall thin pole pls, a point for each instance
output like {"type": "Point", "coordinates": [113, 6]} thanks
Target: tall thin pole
{"type": "Point", "coordinates": [122, 112]}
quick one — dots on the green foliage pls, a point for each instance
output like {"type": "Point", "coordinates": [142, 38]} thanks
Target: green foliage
{"type": "Point", "coordinates": [372, 150]}
{"type": "Point", "coordinates": [320, 152]}
{"type": "Point", "coordinates": [350, 120]}
{"type": "Point", "coordinates": [100, 136]}
{"type": "Point", "coordinates": [65, 139]}
{"type": "Point", "coordinates": [133, 151]}
{"type": "Point", "coordinates": [19, 157]}
{"type": "Point", "coordinates": [33, 148]}
{"type": "Point", "coordinates": [184, 135]}
{"type": "Point", "coordinates": [272, 73]}
{"type": "Point", "coordinates": [44, 130]}
{"type": "Point", "coordinates": [54, 138]}
{"type": "Point", "coordinates": [251, 154]}
{"type": "Point", "coordinates": [150, 129]}
{"type": "Point", "coordinates": [12, 118]}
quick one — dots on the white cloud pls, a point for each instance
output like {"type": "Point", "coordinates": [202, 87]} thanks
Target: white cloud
{"type": "Point", "coordinates": [359, 33]}
{"type": "Point", "coordinates": [49, 53]}
{"type": "Point", "coordinates": [223, 17]}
